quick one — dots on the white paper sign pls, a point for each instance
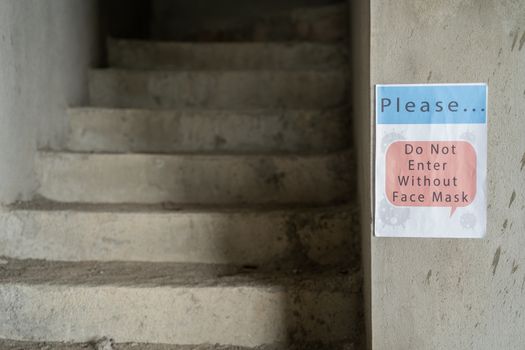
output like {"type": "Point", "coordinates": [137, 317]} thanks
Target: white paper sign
{"type": "Point", "coordinates": [431, 160]}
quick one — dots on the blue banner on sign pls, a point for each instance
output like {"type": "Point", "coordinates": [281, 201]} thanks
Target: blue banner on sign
{"type": "Point", "coordinates": [431, 104]}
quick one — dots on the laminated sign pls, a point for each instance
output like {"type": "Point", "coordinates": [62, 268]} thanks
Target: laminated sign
{"type": "Point", "coordinates": [431, 160]}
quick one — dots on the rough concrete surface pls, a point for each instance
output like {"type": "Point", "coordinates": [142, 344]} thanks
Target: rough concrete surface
{"type": "Point", "coordinates": [195, 178]}
{"type": "Point", "coordinates": [218, 89]}
{"type": "Point", "coordinates": [443, 293]}
{"type": "Point", "coordinates": [135, 54]}
{"type": "Point", "coordinates": [175, 303]}
{"type": "Point", "coordinates": [170, 227]}
{"type": "Point", "coordinates": [248, 131]}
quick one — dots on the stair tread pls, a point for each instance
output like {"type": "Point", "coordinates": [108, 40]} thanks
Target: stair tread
{"type": "Point", "coordinates": [111, 87]}
{"type": "Point", "coordinates": [195, 178]}
{"type": "Point", "coordinates": [176, 303]}
{"type": "Point", "coordinates": [226, 44]}
{"type": "Point", "coordinates": [172, 275]}
{"type": "Point", "coordinates": [294, 234]}
{"type": "Point", "coordinates": [207, 131]}
{"type": "Point", "coordinates": [216, 71]}
{"type": "Point", "coordinates": [140, 54]}
{"type": "Point", "coordinates": [209, 110]}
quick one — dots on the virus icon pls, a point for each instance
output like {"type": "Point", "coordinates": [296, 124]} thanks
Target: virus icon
{"type": "Point", "coordinates": [393, 216]}
{"type": "Point", "coordinates": [469, 136]}
{"type": "Point", "coordinates": [390, 138]}
{"type": "Point", "coordinates": [468, 220]}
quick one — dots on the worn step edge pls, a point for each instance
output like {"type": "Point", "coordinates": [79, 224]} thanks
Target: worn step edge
{"type": "Point", "coordinates": [165, 131]}
{"type": "Point", "coordinates": [147, 54]}
{"type": "Point", "coordinates": [291, 235]}
{"type": "Point", "coordinates": [195, 178]}
{"type": "Point", "coordinates": [98, 344]}
{"type": "Point", "coordinates": [175, 303]}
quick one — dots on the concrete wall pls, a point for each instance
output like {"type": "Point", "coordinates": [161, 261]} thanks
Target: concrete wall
{"type": "Point", "coordinates": [45, 48]}
{"type": "Point", "coordinates": [457, 294]}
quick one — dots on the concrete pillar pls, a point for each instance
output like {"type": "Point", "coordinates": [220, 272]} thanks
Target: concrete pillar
{"type": "Point", "coordinates": [443, 293]}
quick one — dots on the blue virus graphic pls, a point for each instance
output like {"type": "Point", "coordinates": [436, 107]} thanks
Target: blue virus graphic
{"type": "Point", "coordinates": [393, 216]}
{"type": "Point", "coordinates": [389, 138]}
{"type": "Point", "coordinates": [468, 220]}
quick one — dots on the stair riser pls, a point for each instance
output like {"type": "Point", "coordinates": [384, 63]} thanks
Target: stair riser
{"type": "Point", "coordinates": [216, 89]}
{"type": "Point", "coordinates": [142, 178]}
{"type": "Point", "coordinates": [115, 130]}
{"type": "Point", "coordinates": [244, 315]}
{"type": "Point", "coordinates": [162, 55]}
{"type": "Point", "coordinates": [322, 236]}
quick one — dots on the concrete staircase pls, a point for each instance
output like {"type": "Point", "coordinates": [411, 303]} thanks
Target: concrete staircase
{"type": "Point", "coordinates": [203, 200]}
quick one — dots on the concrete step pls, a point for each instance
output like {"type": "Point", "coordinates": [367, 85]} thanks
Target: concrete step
{"type": "Point", "coordinates": [313, 23]}
{"type": "Point", "coordinates": [195, 178]}
{"type": "Point", "coordinates": [256, 235]}
{"type": "Point", "coordinates": [176, 303]}
{"type": "Point", "coordinates": [102, 344]}
{"type": "Point", "coordinates": [218, 89]}
{"type": "Point", "coordinates": [158, 131]}
{"type": "Point", "coordinates": [134, 54]}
